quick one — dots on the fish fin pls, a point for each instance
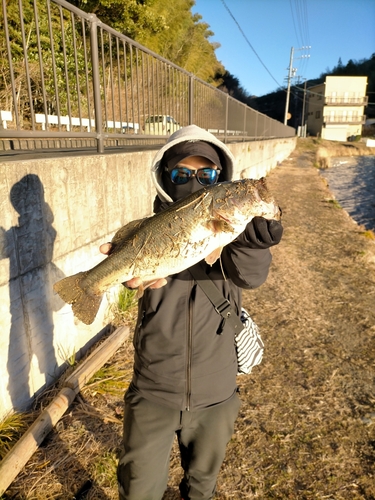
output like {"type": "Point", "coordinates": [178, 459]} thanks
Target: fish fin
{"type": "Point", "coordinates": [146, 284]}
{"type": "Point", "coordinates": [213, 256]}
{"type": "Point", "coordinates": [143, 286]}
{"type": "Point", "coordinates": [126, 231]}
{"type": "Point", "coordinates": [219, 226]}
{"type": "Point", "coordinates": [140, 291]}
{"type": "Point", "coordinates": [85, 306]}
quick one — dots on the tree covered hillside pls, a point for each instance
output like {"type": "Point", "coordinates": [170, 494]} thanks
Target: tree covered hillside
{"type": "Point", "coordinates": [166, 27]}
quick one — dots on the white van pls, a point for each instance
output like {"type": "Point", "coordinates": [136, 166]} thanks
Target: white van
{"type": "Point", "coordinates": [161, 125]}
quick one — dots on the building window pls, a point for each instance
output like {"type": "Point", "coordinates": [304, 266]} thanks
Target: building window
{"type": "Point", "coordinates": [317, 114]}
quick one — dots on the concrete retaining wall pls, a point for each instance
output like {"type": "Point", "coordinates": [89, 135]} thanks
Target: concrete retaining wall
{"type": "Point", "coordinates": [55, 212]}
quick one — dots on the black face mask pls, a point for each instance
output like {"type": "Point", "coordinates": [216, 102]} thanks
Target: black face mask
{"type": "Point", "coordinates": [184, 150]}
{"type": "Point", "coordinates": [179, 191]}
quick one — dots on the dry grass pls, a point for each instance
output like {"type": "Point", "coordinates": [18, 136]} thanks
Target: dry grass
{"type": "Point", "coordinates": [325, 150]}
{"type": "Point", "coordinates": [306, 428]}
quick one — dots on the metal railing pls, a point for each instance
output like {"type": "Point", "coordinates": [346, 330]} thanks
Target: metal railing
{"type": "Point", "coordinates": [347, 101]}
{"type": "Point", "coordinates": [68, 80]}
{"type": "Point", "coordinates": [351, 119]}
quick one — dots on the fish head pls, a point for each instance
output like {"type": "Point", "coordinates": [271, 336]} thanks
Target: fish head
{"type": "Point", "coordinates": [237, 202]}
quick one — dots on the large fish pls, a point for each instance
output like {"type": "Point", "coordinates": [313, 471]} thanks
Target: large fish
{"type": "Point", "coordinates": [194, 228]}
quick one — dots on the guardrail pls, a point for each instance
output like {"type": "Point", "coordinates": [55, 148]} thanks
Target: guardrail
{"type": "Point", "coordinates": [67, 76]}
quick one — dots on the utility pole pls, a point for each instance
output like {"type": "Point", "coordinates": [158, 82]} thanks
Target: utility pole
{"type": "Point", "coordinates": [291, 74]}
{"type": "Point", "coordinates": [303, 109]}
{"type": "Point", "coordinates": [291, 70]}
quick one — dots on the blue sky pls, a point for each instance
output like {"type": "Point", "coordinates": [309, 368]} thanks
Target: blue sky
{"type": "Point", "coordinates": [333, 29]}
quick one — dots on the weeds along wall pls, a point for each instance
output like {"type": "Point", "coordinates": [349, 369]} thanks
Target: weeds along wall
{"type": "Point", "coordinates": [55, 212]}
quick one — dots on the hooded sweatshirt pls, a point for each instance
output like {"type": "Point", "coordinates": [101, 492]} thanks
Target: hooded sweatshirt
{"type": "Point", "coordinates": [180, 359]}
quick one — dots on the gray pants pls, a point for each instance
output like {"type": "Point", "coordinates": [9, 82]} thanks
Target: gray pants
{"type": "Point", "coordinates": [149, 431]}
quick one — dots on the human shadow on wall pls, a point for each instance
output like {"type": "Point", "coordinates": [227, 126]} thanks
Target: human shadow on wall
{"type": "Point", "coordinates": [29, 248]}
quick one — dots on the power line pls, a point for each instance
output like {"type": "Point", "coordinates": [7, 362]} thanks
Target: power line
{"type": "Point", "coordinates": [252, 48]}
{"type": "Point", "coordinates": [255, 52]}
{"type": "Point", "coordinates": [300, 21]}
{"type": "Point", "coordinates": [294, 24]}
{"type": "Point", "coordinates": [306, 18]}
{"type": "Point", "coordinates": [248, 42]}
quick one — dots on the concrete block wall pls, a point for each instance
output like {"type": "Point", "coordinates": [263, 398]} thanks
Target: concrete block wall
{"type": "Point", "coordinates": [256, 159]}
{"type": "Point", "coordinates": [55, 212]}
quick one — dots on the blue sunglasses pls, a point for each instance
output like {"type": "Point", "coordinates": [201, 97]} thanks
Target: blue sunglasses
{"type": "Point", "coordinates": [205, 176]}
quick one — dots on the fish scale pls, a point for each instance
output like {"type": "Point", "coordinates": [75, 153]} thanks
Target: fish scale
{"type": "Point", "coordinates": [192, 229]}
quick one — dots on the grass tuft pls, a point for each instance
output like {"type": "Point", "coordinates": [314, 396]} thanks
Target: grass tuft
{"type": "Point", "coordinates": [126, 299]}
{"type": "Point", "coordinates": [369, 234]}
{"type": "Point", "coordinates": [68, 357]}
{"type": "Point", "coordinates": [104, 469]}
{"type": "Point", "coordinates": [334, 203]}
{"type": "Point", "coordinates": [124, 308]}
{"type": "Point", "coordinates": [11, 429]}
{"type": "Point", "coordinates": [110, 379]}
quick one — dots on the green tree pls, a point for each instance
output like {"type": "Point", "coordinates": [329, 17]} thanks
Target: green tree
{"type": "Point", "coordinates": [184, 39]}
{"type": "Point", "coordinates": [57, 77]}
{"type": "Point", "coordinates": [167, 28]}
{"type": "Point", "coordinates": [133, 18]}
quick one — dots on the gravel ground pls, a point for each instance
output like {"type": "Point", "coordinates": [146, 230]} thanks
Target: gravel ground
{"type": "Point", "coordinates": [306, 428]}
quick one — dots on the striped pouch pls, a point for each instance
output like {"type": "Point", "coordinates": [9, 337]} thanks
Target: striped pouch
{"type": "Point", "coordinates": [249, 345]}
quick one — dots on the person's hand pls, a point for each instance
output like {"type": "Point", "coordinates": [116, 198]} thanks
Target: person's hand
{"type": "Point", "coordinates": [263, 233]}
{"type": "Point", "coordinates": [135, 282]}
{"type": "Point", "coordinates": [106, 248]}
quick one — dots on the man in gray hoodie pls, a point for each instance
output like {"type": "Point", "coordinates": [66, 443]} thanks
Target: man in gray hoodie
{"type": "Point", "coordinates": [184, 378]}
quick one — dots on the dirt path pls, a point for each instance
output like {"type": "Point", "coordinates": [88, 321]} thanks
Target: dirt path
{"type": "Point", "coordinates": [308, 419]}
{"type": "Point", "coordinates": [307, 424]}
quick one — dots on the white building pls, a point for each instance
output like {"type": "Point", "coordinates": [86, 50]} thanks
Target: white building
{"type": "Point", "coordinates": [335, 108]}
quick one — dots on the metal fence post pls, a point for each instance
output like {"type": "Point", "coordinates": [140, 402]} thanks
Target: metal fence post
{"type": "Point", "coordinates": [96, 82]}
{"type": "Point", "coordinates": [244, 125]}
{"type": "Point", "coordinates": [226, 117]}
{"type": "Point", "coordinates": [191, 99]}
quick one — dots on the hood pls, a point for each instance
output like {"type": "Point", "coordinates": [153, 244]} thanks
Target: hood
{"type": "Point", "coordinates": [191, 133]}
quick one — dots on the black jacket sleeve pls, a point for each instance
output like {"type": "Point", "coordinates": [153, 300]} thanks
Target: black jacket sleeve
{"type": "Point", "coordinates": [246, 267]}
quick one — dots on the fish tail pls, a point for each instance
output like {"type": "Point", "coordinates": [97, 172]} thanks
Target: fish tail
{"type": "Point", "coordinates": [85, 305]}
